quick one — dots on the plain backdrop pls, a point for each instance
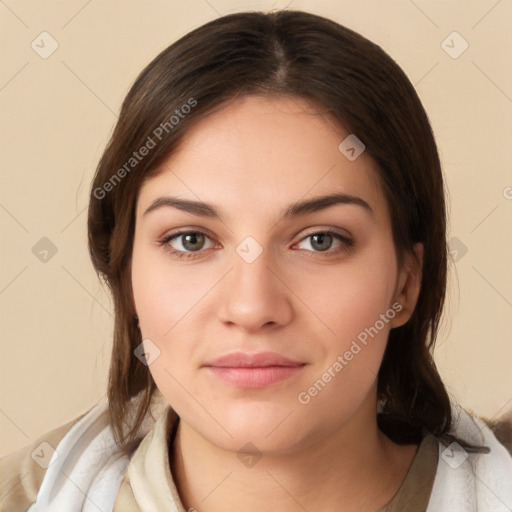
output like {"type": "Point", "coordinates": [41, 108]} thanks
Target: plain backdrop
{"type": "Point", "coordinates": [58, 112]}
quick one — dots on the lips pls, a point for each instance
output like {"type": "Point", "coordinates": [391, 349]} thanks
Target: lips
{"type": "Point", "coordinates": [256, 370]}
{"type": "Point", "coordinates": [248, 360]}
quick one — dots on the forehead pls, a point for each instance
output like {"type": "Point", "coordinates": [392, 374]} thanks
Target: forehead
{"type": "Point", "coordinates": [258, 152]}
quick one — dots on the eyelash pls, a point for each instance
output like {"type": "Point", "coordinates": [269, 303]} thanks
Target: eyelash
{"type": "Point", "coordinates": [346, 245]}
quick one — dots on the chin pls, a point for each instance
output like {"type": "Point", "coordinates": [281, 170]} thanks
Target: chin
{"type": "Point", "coordinates": [273, 430]}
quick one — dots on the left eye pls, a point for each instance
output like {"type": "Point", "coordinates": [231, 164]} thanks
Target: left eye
{"type": "Point", "coordinates": [323, 240]}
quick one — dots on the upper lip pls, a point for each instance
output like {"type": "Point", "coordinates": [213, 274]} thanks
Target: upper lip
{"type": "Point", "coordinates": [252, 360]}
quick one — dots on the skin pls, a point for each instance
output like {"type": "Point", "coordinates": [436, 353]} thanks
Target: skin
{"type": "Point", "coordinates": [251, 159]}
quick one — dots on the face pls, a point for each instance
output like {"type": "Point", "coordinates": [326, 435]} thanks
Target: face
{"type": "Point", "coordinates": [265, 323]}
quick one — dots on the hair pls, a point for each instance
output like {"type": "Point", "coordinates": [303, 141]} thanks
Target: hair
{"type": "Point", "coordinates": [292, 53]}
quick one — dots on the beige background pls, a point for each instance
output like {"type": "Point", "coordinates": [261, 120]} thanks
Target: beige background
{"type": "Point", "coordinates": [58, 113]}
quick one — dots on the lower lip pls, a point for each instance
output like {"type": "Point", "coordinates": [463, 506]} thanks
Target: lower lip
{"type": "Point", "coordinates": [254, 377]}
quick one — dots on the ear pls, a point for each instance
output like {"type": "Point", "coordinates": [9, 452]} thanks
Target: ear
{"type": "Point", "coordinates": [408, 285]}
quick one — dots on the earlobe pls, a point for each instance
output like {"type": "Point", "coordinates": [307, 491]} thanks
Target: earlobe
{"type": "Point", "coordinates": [409, 285]}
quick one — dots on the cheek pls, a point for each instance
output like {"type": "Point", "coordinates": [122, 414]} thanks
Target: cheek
{"type": "Point", "coordinates": [163, 297]}
{"type": "Point", "coordinates": [356, 314]}
{"type": "Point", "coordinates": [168, 303]}
{"type": "Point", "coordinates": [350, 297]}
{"type": "Point", "coordinates": [353, 302]}
{"type": "Point", "coordinates": [163, 294]}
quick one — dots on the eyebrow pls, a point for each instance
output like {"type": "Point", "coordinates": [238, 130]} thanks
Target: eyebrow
{"type": "Point", "coordinates": [302, 207]}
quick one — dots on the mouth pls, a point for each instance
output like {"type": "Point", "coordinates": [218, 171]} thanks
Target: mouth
{"type": "Point", "coordinates": [256, 370]}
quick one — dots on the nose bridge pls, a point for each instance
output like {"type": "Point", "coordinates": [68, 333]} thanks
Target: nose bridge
{"type": "Point", "coordinates": [254, 295]}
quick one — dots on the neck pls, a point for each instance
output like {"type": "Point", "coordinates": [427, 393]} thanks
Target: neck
{"type": "Point", "coordinates": [356, 467]}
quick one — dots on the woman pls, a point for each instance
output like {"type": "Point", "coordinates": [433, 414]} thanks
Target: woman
{"type": "Point", "coordinates": [269, 215]}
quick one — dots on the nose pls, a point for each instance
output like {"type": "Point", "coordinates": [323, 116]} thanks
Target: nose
{"type": "Point", "coordinates": [255, 295]}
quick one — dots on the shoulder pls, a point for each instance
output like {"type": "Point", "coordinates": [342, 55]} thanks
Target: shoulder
{"type": "Point", "coordinates": [81, 454]}
{"type": "Point", "coordinates": [475, 466]}
{"type": "Point", "coordinates": [501, 428]}
{"type": "Point", "coordinates": [480, 430]}
{"type": "Point", "coordinates": [22, 471]}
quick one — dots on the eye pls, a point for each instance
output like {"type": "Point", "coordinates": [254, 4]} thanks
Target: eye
{"type": "Point", "coordinates": [321, 241]}
{"type": "Point", "coordinates": [190, 241]}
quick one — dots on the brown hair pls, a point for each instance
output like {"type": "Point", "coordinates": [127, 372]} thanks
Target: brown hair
{"type": "Point", "coordinates": [281, 53]}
